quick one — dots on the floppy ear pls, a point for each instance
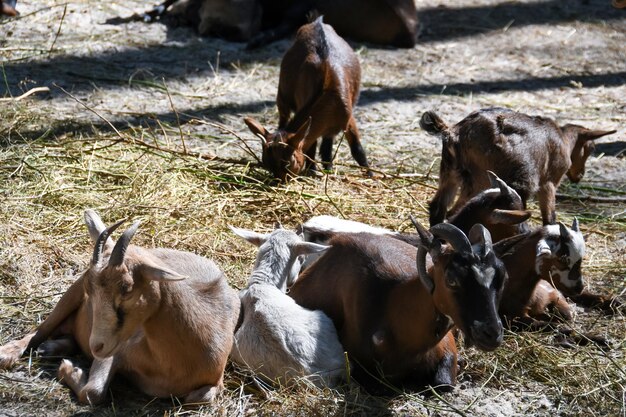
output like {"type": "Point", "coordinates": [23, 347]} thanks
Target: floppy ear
{"type": "Point", "coordinates": [587, 134]}
{"type": "Point", "coordinates": [255, 238]}
{"type": "Point", "coordinates": [500, 216]}
{"type": "Point", "coordinates": [297, 139]}
{"type": "Point", "coordinates": [157, 273]}
{"type": "Point", "coordinates": [307, 248]}
{"type": "Point", "coordinates": [256, 128]}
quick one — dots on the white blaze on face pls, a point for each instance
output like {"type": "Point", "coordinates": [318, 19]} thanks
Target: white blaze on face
{"type": "Point", "coordinates": [485, 276]}
{"type": "Point", "coordinates": [549, 246]}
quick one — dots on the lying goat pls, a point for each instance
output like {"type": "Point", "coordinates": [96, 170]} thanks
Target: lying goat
{"type": "Point", "coordinates": [319, 82]}
{"type": "Point", "coordinates": [278, 338]}
{"type": "Point", "coordinates": [530, 153]}
{"type": "Point", "coordinates": [163, 318]}
{"type": "Point", "coordinates": [393, 316]}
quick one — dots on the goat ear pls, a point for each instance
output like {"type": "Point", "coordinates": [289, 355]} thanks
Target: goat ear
{"type": "Point", "coordinates": [256, 128]}
{"type": "Point", "coordinates": [297, 139]}
{"type": "Point", "coordinates": [307, 248]}
{"type": "Point", "coordinates": [157, 273]}
{"type": "Point", "coordinates": [95, 226]}
{"type": "Point", "coordinates": [500, 216]}
{"type": "Point", "coordinates": [252, 237]}
{"type": "Point", "coordinates": [587, 134]}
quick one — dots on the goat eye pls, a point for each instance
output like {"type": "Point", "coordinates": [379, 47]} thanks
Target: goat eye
{"type": "Point", "coordinates": [452, 282]}
{"type": "Point", "coordinates": [564, 260]}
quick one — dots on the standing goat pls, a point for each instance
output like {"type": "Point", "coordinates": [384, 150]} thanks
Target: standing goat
{"type": "Point", "coordinates": [319, 82]}
{"type": "Point", "coordinates": [394, 315]}
{"type": "Point", "coordinates": [530, 153]}
{"type": "Point", "coordinates": [163, 318]}
{"type": "Point", "coordinates": [278, 338]}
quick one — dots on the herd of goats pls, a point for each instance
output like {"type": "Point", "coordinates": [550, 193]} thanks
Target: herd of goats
{"type": "Point", "coordinates": [338, 296]}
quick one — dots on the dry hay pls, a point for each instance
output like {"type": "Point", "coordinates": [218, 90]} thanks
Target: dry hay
{"type": "Point", "coordinates": [148, 141]}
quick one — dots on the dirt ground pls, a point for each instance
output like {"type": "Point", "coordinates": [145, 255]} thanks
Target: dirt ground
{"type": "Point", "coordinates": [565, 60]}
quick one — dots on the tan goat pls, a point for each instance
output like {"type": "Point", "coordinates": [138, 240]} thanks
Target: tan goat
{"type": "Point", "coordinates": [162, 318]}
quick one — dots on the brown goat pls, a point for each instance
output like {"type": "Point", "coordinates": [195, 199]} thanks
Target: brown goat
{"type": "Point", "coordinates": [8, 8]}
{"type": "Point", "coordinates": [393, 316]}
{"type": "Point", "coordinates": [129, 314]}
{"type": "Point", "coordinates": [530, 153]}
{"type": "Point", "coordinates": [387, 22]}
{"type": "Point", "coordinates": [319, 82]}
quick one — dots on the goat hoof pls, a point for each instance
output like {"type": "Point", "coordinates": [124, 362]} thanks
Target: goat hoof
{"type": "Point", "coordinates": [68, 372]}
{"type": "Point", "coordinates": [10, 354]}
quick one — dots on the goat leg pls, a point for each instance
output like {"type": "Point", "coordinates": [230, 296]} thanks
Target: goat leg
{"type": "Point", "coordinates": [569, 338]}
{"type": "Point", "coordinates": [205, 394]}
{"type": "Point", "coordinates": [89, 389]}
{"type": "Point", "coordinates": [13, 351]}
{"type": "Point", "coordinates": [326, 152]}
{"type": "Point", "coordinates": [356, 149]}
{"type": "Point", "coordinates": [605, 304]}
{"type": "Point", "coordinates": [546, 196]}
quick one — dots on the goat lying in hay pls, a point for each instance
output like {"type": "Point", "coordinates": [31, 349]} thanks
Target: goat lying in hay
{"type": "Point", "coordinates": [319, 83]}
{"type": "Point", "coordinates": [163, 318]}
{"type": "Point", "coordinates": [394, 315]}
{"type": "Point", "coordinates": [278, 338]}
{"type": "Point", "coordinates": [530, 153]}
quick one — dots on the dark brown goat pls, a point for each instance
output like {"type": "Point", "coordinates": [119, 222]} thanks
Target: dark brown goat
{"type": "Point", "coordinates": [8, 8]}
{"type": "Point", "coordinates": [319, 82]}
{"type": "Point", "coordinates": [387, 22]}
{"type": "Point", "coordinates": [393, 316]}
{"type": "Point", "coordinates": [530, 153]}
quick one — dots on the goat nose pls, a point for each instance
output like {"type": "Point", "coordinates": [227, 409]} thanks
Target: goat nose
{"type": "Point", "coordinates": [97, 348]}
{"type": "Point", "coordinates": [490, 334]}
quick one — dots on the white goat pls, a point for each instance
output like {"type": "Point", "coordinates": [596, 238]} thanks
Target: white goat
{"type": "Point", "coordinates": [278, 338]}
{"type": "Point", "coordinates": [163, 318]}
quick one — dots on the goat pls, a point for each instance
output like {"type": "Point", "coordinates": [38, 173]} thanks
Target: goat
{"type": "Point", "coordinates": [8, 8]}
{"type": "Point", "coordinates": [530, 153]}
{"type": "Point", "coordinates": [278, 338]}
{"type": "Point", "coordinates": [387, 22]}
{"type": "Point", "coordinates": [392, 314]}
{"type": "Point", "coordinates": [319, 82]}
{"type": "Point", "coordinates": [163, 318]}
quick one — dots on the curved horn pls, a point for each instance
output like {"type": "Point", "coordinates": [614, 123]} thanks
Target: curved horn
{"type": "Point", "coordinates": [478, 234]}
{"type": "Point", "coordinates": [117, 256]}
{"type": "Point", "coordinates": [427, 243]}
{"type": "Point", "coordinates": [101, 241]}
{"type": "Point", "coordinates": [453, 235]}
{"type": "Point", "coordinates": [575, 226]}
{"type": "Point", "coordinates": [496, 182]}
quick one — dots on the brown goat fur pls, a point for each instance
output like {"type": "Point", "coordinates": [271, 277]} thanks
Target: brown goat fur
{"type": "Point", "coordinates": [390, 319]}
{"type": "Point", "coordinates": [8, 8]}
{"type": "Point", "coordinates": [163, 318]}
{"type": "Point", "coordinates": [319, 83]}
{"type": "Point", "coordinates": [530, 153]}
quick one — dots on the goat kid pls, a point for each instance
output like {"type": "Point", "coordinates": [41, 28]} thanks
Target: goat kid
{"type": "Point", "coordinates": [394, 315]}
{"type": "Point", "coordinates": [278, 338]}
{"type": "Point", "coordinates": [319, 82]}
{"type": "Point", "coordinates": [163, 318]}
{"type": "Point", "coordinates": [530, 153]}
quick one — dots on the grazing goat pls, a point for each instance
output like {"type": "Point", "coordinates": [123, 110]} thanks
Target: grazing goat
{"type": "Point", "coordinates": [530, 153]}
{"type": "Point", "coordinates": [8, 8]}
{"type": "Point", "coordinates": [163, 318]}
{"type": "Point", "coordinates": [278, 338]}
{"type": "Point", "coordinates": [319, 82]}
{"type": "Point", "coordinates": [394, 317]}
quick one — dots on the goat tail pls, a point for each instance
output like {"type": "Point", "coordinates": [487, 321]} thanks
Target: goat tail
{"type": "Point", "coordinates": [433, 124]}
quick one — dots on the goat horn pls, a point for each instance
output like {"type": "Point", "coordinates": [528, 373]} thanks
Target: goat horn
{"type": "Point", "coordinates": [575, 226]}
{"type": "Point", "coordinates": [496, 182]}
{"type": "Point", "coordinates": [453, 235]}
{"type": "Point", "coordinates": [101, 241]}
{"type": "Point", "coordinates": [426, 244]}
{"type": "Point", "coordinates": [479, 234]}
{"type": "Point", "coordinates": [117, 256]}
{"type": "Point", "coordinates": [564, 232]}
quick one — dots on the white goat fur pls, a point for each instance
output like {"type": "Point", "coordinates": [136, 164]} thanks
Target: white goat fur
{"type": "Point", "coordinates": [278, 338]}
